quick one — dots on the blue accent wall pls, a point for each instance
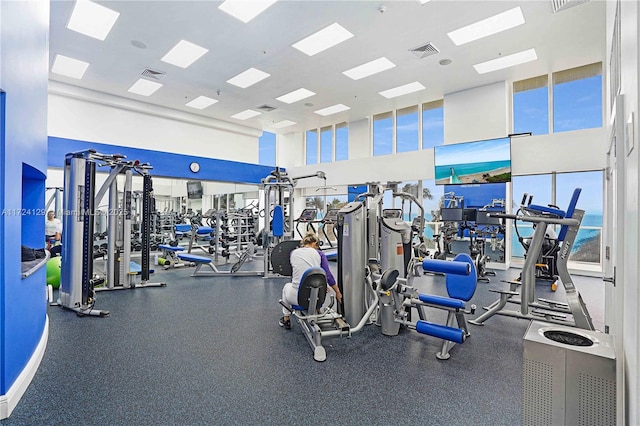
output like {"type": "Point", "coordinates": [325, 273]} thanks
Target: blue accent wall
{"type": "Point", "coordinates": [165, 164]}
{"type": "Point", "coordinates": [24, 76]}
{"type": "Point", "coordinates": [478, 195]}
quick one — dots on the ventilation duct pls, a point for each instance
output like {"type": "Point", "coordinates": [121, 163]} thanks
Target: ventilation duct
{"type": "Point", "coordinates": [424, 50]}
{"type": "Point", "coordinates": [156, 75]}
{"type": "Point", "coordinates": [560, 5]}
{"type": "Point", "coordinates": [266, 108]}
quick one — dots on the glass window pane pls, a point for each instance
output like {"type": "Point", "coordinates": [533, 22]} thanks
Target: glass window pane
{"type": "Point", "coordinates": [342, 141]}
{"type": "Point", "coordinates": [431, 196]}
{"type": "Point", "coordinates": [531, 111]}
{"type": "Point", "coordinates": [577, 103]}
{"type": "Point", "coordinates": [538, 186]}
{"type": "Point", "coordinates": [382, 134]}
{"type": "Point", "coordinates": [432, 124]}
{"type": "Point", "coordinates": [587, 245]}
{"type": "Point", "coordinates": [407, 129]}
{"type": "Point", "coordinates": [326, 145]}
{"type": "Point", "coordinates": [312, 146]}
{"type": "Point", "coordinates": [267, 149]}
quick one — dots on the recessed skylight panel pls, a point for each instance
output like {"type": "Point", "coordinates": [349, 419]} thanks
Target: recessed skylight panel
{"type": "Point", "coordinates": [184, 54]}
{"type": "Point", "coordinates": [322, 40]}
{"type": "Point", "coordinates": [92, 19]}
{"type": "Point", "coordinates": [144, 87]}
{"type": "Point", "coordinates": [332, 110]}
{"type": "Point", "coordinates": [506, 61]}
{"type": "Point", "coordinates": [201, 102]}
{"type": "Point", "coordinates": [370, 68]}
{"type": "Point", "coordinates": [69, 67]}
{"type": "Point", "coordinates": [248, 78]}
{"type": "Point", "coordinates": [246, 114]}
{"type": "Point", "coordinates": [493, 25]}
{"type": "Point", "coordinates": [295, 96]}
{"type": "Point", "coordinates": [245, 10]}
{"type": "Point", "coordinates": [402, 90]}
{"type": "Point", "coordinates": [283, 123]}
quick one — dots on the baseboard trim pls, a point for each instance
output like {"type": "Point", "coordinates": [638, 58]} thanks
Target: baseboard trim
{"type": "Point", "coordinates": [9, 401]}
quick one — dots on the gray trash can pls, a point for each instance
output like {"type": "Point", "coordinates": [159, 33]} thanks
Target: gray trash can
{"type": "Point", "coordinates": [568, 377]}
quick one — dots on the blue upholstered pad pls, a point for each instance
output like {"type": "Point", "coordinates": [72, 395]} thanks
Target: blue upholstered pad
{"type": "Point", "coordinates": [193, 258]}
{"type": "Point", "coordinates": [440, 331]}
{"type": "Point", "coordinates": [183, 227]}
{"type": "Point", "coordinates": [547, 210]}
{"type": "Point", "coordinates": [460, 286]}
{"type": "Point", "coordinates": [447, 302]}
{"type": "Point", "coordinates": [203, 230]}
{"type": "Point", "coordinates": [277, 222]}
{"type": "Point", "coordinates": [170, 248]}
{"type": "Point", "coordinates": [446, 267]}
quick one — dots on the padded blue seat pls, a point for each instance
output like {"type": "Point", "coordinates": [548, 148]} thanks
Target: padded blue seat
{"type": "Point", "coordinates": [442, 301]}
{"type": "Point", "coordinates": [312, 278]}
{"type": "Point", "coordinates": [183, 227]}
{"type": "Point", "coordinates": [204, 230]}
{"type": "Point", "coordinates": [170, 248]}
{"type": "Point", "coordinates": [546, 210]}
{"type": "Point", "coordinates": [193, 258]}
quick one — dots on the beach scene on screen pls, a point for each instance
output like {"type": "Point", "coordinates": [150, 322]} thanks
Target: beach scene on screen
{"type": "Point", "coordinates": [473, 162]}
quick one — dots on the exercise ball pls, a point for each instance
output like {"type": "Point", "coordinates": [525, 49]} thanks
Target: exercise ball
{"type": "Point", "coordinates": [53, 271]}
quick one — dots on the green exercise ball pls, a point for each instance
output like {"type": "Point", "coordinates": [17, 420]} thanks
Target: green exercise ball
{"type": "Point", "coordinates": [53, 271]}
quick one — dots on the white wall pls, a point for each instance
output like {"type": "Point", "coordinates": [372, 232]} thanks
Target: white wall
{"type": "Point", "coordinates": [476, 114]}
{"type": "Point", "coordinates": [81, 114]}
{"type": "Point", "coordinates": [626, 328]}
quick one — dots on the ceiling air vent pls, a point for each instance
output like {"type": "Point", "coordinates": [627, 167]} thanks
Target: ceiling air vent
{"type": "Point", "coordinates": [424, 50]}
{"type": "Point", "coordinates": [560, 5]}
{"type": "Point", "coordinates": [156, 75]}
{"type": "Point", "coordinates": [266, 108]}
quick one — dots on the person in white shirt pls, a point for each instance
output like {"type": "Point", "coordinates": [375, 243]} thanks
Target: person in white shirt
{"type": "Point", "coordinates": [303, 258]}
{"type": "Point", "coordinates": [52, 230]}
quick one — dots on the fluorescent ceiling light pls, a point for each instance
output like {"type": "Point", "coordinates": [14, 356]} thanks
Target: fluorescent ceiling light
{"type": "Point", "coordinates": [332, 109]}
{"type": "Point", "coordinates": [283, 123]}
{"type": "Point", "coordinates": [184, 54]}
{"type": "Point", "coordinates": [201, 102]}
{"type": "Point", "coordinates": [245, 10]}
{"type": "Point", "coordinates": [506, 61]}
{"type": "Point", "coordinates": [92, 19]}
{"type": "Point", "coordinates": [402, 90]}
{"type": "Point", "coordinates": [370, 68]}
{"type": "Point", "coordinates": [493, 25]}
{"type": "Point", "coordinates": [323, 39]}
{"type": "Point", "coordinates": [295, 96]}
{"type": "Point", "coordinates": [423, 1]}
{"type": "Point", "coordinates": [70, 67]}
{"type": "Point", "coordinates": [248, 78]}
{"type": "Point", "coordinates": [246, 114]}
{"type": "Point", "coordinates": [144, 87]}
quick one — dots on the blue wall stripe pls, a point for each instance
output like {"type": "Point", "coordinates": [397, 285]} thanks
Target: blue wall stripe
{"type": "Point", "coordinates": [165, 164]}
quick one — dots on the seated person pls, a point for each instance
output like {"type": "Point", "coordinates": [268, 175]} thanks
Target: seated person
{"type": "Point", "coordinates": [307, 256]}
{"type": "Point", "coordinates": [53, 233]}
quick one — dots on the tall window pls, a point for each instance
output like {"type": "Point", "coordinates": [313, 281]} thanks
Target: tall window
{"type": "Point", "coordinates": [586, 247]}
{"type": "Point", "coordinates": [383, 134]}
{"type": "Point", "coordinates": [342, 141]}
{"type": "Point", "coordinates": [432, 124]}
{"type": "Point", "coordinates": [537, 186]}
{"type": "Point", "coordinates": [577, 98]}
{"type": "Point", "coordinates": [531, 106]}
{"type": "Point", "coordinates": [326, 144]}
{"type": "Point", "coordinates": [267, 149]}
{"type": "Point", "coordinates": [557, 190]}
{"type": "Point", "coordinates": [312, 146]}
{"type": "Point", "coordinates": [407, 129]}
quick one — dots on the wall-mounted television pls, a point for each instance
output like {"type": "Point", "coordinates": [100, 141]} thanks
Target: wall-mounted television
{"type": "Point", "coordinates": [487, 161]}
{"type": "Point", "coordinates": [194, 190]}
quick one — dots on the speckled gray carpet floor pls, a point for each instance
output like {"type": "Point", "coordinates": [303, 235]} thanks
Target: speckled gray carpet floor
{"type": "Point", "coordinates": [210, 351]}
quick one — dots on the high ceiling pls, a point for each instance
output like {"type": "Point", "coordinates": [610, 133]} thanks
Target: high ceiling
{"type": "Point", "coordinates": [146, 30]}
